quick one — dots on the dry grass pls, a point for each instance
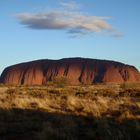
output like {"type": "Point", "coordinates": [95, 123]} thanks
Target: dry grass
{"type": "Point", "coordinates": [100, 112]}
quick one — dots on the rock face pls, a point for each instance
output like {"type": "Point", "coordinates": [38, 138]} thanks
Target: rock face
{"type": "Point", "coordinates": [76, 70]}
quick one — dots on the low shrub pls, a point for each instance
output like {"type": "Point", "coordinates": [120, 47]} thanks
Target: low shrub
{"type": "Point", "coordinates": [60, 81]}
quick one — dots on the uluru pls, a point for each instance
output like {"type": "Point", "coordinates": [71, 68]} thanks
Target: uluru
{"type": "Point", "coordinates": [76, 70]}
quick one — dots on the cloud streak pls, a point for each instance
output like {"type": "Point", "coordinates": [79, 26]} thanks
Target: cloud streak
{"type": "Point", "coordinates": [71, 5]}
{"type": "Point", "coordinates": [74, 23]}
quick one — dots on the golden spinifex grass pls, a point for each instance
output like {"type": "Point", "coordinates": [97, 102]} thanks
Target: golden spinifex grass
{"type": "Point", "coordinates": [70, 112]}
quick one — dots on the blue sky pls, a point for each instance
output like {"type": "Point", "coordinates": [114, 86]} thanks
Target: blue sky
{"type": "Point", "coordinates": [54, 29]}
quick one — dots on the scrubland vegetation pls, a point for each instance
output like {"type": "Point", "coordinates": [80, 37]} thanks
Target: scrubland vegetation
{"type": "Point", "coordinates": [61, 112]}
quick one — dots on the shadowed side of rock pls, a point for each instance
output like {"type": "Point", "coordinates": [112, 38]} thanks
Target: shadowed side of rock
{"type": "Point", "coordinates": [76, 70]}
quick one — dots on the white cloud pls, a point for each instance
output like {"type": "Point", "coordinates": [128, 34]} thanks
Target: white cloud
{"type": "Point", "coordinates": [75, 23]}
